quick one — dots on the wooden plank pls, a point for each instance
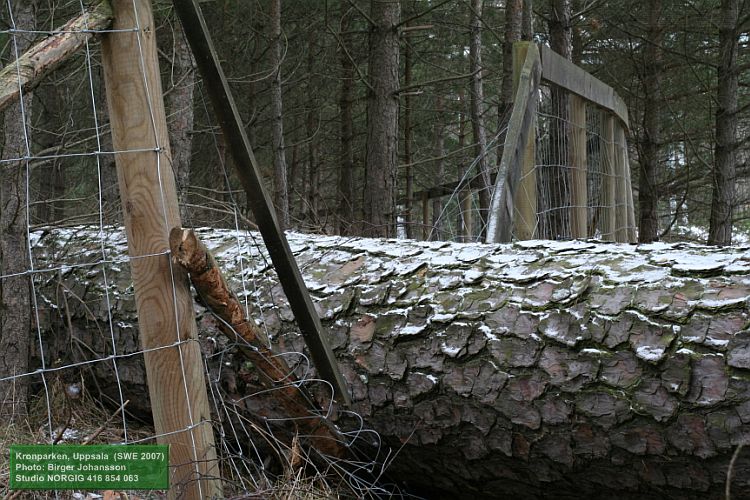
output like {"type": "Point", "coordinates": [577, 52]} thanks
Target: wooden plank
{"type": "Point", "coordinates": [579, 168]}
{"type": "Point", "coordinates": [608, 221]}
{"type": "Point", "coordinates": [44, 57]}
{"type": "Point", "coordinates": [632, 236]}
{"type": "Point", "coordinates": [525, 221]}
{"type": "Point", "coordinates": [621, 196]}
{"type": "Point", "coordinates": [248, 172]}
{"type": "Point", "coordinates": [465, 202]}
{"type": "Point", "coordinates": [149, 198]}
{"type": "Point", "coordinates": [525, 198]}
{"type": "Point", "coordinates": [522, 121]}
{"type": "Point", "coordinates": [563, 73]}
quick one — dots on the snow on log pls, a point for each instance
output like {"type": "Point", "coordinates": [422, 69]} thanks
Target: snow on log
{"type": "Point", "coordinates": [538, 369]}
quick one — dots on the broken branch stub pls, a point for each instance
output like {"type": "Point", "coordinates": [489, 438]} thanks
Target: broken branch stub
{"type": "Point", "coordinates": [274, 373]}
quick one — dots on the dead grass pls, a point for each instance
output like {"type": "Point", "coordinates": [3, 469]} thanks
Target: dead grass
{"type": "Point", "coordinates": [83, 420]}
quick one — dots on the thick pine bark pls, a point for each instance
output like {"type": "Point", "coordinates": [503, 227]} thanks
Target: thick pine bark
{"type": "Point", "coordinates": [648, 197]}
{"type": "Point", "coordinates": [477, 114]}
{"type": "Point", "coordinates": [281, 192]}
{"type": "Point", "coordinates": [379, 209]}
{"type": "Point", "coordinates": [724, 195]}
{"type": "Point", "coordinates": [538, 370]}
{"type": "Point", "coordinates": [15, 296]}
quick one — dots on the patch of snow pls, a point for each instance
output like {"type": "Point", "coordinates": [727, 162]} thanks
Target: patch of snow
{"type": "Point", "coordinates": [411, 330]}
{"type": "Point", "coordinates": [712, 342]}
{"type": "Point", "coordinates": [487, 331]}
{"type": "Point", "coordinates": [650, 353]}
{"type": "Point", "coordinates": [442, 317]}
{"type": "Point", "coordinates": [593, 351]}
{"type": "Point", "coordinates": [450, 350]}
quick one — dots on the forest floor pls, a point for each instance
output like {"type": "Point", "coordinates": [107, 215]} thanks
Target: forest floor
{"type": "Point", "coordinates": [87, 421]}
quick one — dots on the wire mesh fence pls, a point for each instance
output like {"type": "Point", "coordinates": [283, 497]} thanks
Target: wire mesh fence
{"type": "Point", "coordinates": [72, 363]}
{"type": "Point", "coordinates": [577, 184]}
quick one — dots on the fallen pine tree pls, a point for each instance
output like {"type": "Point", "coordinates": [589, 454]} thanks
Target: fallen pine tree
{"type": "Point", "coordinates": [540, 369]}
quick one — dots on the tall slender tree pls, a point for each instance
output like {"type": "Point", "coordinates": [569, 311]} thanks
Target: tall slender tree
{"type": "Point", "coordinates": [724, 176]}
{"type": "Point", "coordinates": [554, 177]}
{"type": "Point", "coordinates": [281, 191]}
{"type": "Point", "coordinates": [15, 290]}
{"type": "Point", "coordinates": [477, 112]}
{"type": "Point", "coordinates": [379, 209]}
{"type": "Point", "coordinates": [648, 195]}
{"type": "Point", "coordinates": [178, 101]}
{"type": "Point", "coordinates": [346, 105]}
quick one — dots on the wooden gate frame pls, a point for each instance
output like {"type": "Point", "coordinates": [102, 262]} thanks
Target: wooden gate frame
{"type": "Point", "coordinates": [514, 195]}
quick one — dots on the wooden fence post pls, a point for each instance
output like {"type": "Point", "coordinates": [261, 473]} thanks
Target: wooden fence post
{"type": "Point", "coordinates": [525, 201]}
{"type": "Point", "coordinates": [579, 168]}
{"type": "Point", "coordinates": [608, 177]}
{"type": "Point", "coordinates": [621, 204]}
{"type": "Point", "coordinates": [631, 229]}
{"type": "Point", "coordinates": [149, 198]}
{"type": "Point", "coordinates": [466, 206]}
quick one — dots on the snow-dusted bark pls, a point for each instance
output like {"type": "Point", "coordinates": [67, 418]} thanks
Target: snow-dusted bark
{"type": "Point", "coordinates": [541, 369]}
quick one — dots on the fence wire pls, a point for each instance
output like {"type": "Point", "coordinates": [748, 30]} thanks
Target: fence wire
{"type": "Point", "coordinates": [80, 377]}
{"type": "Point", "coordinates": [560, 189]}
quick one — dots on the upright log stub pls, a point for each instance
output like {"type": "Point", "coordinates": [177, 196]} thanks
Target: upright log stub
{"type": "Point", "coordinates": [533, 370]}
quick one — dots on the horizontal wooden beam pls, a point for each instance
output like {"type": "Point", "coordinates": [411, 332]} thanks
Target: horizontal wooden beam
{"type": "Point", "coordinates": [563, 73]}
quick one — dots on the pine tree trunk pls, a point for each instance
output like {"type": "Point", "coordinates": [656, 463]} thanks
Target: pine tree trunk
{"type": "Point", "coordinates": [409, 221]}
{"type": "Point", "coordinates": [648, 196]}
{"type": "Point", "coordinates": [179, 106]}
{"type": "Point", "coordinates": [436, 232]}
{"type": "Point", "coordinates": [346, 103]}
{"type": "Point", "coordinates": [527, 21]}
{"type": "Point", "coordinates": [542, 370]}
{"type": "Point", "coordinates": [724, 195]}
{"type": "Point", "coordinates": [15, 297]}
{"type": "Point", "coordinates": [555, 176]}
{"type": "Point", "coordinates": [379, 204]}
{"type": "Point", "coordinates": [477, 114]}
{"type": "Point", "coordinates": [281, 192]}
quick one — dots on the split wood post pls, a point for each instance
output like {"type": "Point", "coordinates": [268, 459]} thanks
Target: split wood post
{"type": "Point", "coordinates": [165, 305]}
{"type": "Point", "coordinates": [608, 177]}
{"type": "Point", "coordinates": [621, 205]}
{"type": "Point", "coordinates": [579, 165]}
{"type": "Point", "coordinates": [632, 237]}
{"type": "Point", "coordinates": [466, 198]}
{"type": "Point", "coordinates": [525, 199]}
